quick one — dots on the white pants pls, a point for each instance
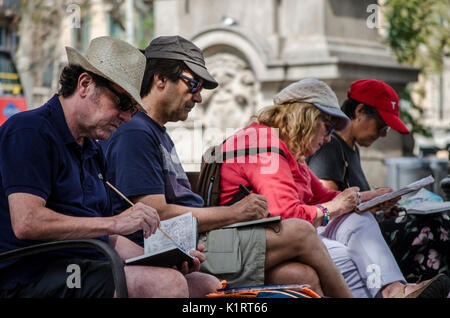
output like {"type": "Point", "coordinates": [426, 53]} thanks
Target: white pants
{"type": "Point", "coordinates": [357, 247]}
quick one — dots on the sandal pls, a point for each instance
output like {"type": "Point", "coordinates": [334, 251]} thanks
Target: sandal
{"type": "Point", "coordinates": [437, 287]}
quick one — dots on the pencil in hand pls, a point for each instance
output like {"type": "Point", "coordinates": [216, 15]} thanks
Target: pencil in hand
{"type": "Point", "coordinates": [132, 204]}
{"type": "Point", "coordinates": [246, 191]}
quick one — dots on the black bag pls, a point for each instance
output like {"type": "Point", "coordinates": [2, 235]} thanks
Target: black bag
{"type": "Point", "coordinates": [209, 179]}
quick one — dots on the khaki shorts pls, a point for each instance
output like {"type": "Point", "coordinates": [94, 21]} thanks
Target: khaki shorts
{"type": "Point", "coordinates": [236, 255]}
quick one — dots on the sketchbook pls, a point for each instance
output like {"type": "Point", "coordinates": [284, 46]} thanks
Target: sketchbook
{"type": "Point", "coordinates": [254, 222]}
{"type": "Point", "coordinates": [162, 252]}
{"type": "Point", "coordinates": [415, 186]}
{"type": "Point", "coordinates": [429, 207]}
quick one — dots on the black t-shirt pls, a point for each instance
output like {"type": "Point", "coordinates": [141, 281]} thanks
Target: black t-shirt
{"type": "Point", "coordinates": [329, 163]}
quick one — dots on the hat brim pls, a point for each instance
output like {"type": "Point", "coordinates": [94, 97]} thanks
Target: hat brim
{"type": "Point", "coordinates": [394, 122]}
{"type": "Point", "coordinates": [342, 122]}
{"type": "Point", "coordinates": [208, 81]}
{"type": "Point", "coordinates": [76, 58]}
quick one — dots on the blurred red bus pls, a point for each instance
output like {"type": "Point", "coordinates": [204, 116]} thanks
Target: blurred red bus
{"type": "Point", "coordinates": [12, 99]}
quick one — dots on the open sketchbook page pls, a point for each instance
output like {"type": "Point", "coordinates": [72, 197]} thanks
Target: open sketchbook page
{"type": "Point", "coordinates": [415, 186]}
{"type": "Point", "coordinates": [423, 195]}
{"type": "Point", "coordinates": [182, 228]}
{"type": "Point", "coordinates": [429, 207]}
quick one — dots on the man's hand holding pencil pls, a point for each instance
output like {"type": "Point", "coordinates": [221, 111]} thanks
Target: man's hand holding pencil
{"type": "Point", "coordinates": [252, 207]}
{"type": "Point", "coordinates": [140, 216]}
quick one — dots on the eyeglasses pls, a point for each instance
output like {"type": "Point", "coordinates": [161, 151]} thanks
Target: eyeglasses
{"type": "Point", "coordinates": [126, 104]}
{"type": "Point", "coordinates": [384, 129]}
{"type": "Point", "coordinates": [382, 126]}
{"type": "Point", "coordinates": [329, 125]}
{"type": "Point", "coordinates": [195, 85]}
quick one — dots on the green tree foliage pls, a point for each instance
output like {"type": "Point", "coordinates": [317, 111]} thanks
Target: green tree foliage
{"type": "Point", "coordinates": [411, 112]}
{"type": "Point", "coordinates": [418, 33]}
{"type": "Point", "coordinates": [143, 19]}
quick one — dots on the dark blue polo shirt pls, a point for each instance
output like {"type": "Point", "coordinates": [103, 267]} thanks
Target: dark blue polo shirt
{"type": "Point", "coordinates": [39, 156]}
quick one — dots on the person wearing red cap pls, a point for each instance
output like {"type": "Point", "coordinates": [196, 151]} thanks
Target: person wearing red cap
{"type": "Point", "coordinates": [382, 97]}
{"type": "Point", "coordinates": [373, 109]}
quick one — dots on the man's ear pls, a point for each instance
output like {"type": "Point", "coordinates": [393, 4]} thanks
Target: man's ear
{"type": "Point", "coordinates": [160, 80]}
{"type": "Point", "coordinates": [358, 113]}
{"type": "Point", "coordinates": [84, 82]}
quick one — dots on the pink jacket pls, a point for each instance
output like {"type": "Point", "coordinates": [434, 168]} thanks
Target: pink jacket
{"type": "Point", "coordinates": [292, 190]}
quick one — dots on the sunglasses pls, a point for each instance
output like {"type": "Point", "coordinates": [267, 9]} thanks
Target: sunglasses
{"type": "Point", "coordinates": [329, 125]}
{"type": "Point", "coordinates": [126, 104]}
{"type": "Point", "coordinates": [195, 85]}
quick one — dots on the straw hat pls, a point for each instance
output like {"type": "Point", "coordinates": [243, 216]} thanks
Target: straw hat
{"type": "Point", "coordinates": [115, 60]}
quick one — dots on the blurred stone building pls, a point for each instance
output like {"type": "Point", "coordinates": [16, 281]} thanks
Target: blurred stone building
{"type": "Point", "coordinates": [9, 19]}
{"type": "Point", "coordinates": [254, 48]}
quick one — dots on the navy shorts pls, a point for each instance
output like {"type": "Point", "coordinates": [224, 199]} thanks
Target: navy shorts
{"type": "Point", "coordinates": [69, 278]}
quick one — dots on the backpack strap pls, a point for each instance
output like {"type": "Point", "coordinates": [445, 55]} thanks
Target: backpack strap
{"type": "Point", "coordinates": [209, 179]}
{"type": "Point", "coordinates": [251, 151]}
{"type": "Point", "coordinates": [247, 152]}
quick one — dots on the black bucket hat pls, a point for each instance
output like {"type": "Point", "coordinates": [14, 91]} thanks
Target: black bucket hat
{"type": "Point", "coordinates": [178, 48]}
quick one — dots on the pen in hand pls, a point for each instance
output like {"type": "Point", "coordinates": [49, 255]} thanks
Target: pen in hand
{"type": "Point", "coordinates": [246, 191]}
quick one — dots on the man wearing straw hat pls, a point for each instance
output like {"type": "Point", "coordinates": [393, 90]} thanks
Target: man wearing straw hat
{"type": "Point", "coordinates": [52, 185]}
{"type": "Point", "coordinates": [174, 77]}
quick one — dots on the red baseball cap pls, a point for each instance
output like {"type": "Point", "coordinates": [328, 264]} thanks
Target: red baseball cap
{"type": "Point", "coordinates": [381, 96]}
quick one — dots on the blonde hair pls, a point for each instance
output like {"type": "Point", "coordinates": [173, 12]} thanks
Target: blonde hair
{"type": "Point", "coordinates": [297, 124]}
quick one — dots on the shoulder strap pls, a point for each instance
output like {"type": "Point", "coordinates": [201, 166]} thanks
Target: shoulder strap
{"type": "Point", "coordinates": [246, 152]}
{"type": "Point", "coordinates": [209, 179]}
{"type": "Point", "coordinates": [252, 151]}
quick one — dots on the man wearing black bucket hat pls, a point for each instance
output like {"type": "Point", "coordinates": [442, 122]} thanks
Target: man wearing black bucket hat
{"type": "Point", "coordinates": [143, 163]}
{"type": "Point", "coordinates": [52, 184]}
